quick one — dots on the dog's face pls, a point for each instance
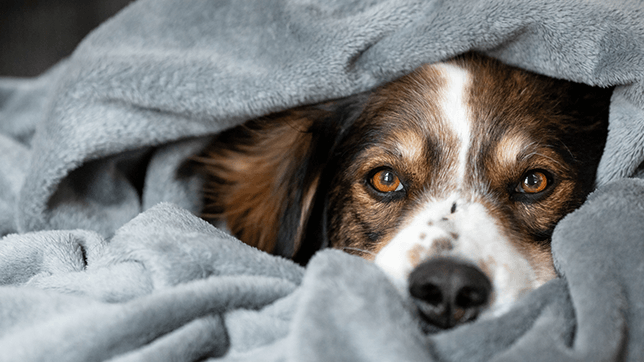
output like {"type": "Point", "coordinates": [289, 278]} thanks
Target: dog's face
{"type": "Point", "coordinates": [451, 179]}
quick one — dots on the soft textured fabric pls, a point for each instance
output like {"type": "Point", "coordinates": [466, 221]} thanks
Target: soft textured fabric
{"type": "Point", "coordinates": [103, 258]}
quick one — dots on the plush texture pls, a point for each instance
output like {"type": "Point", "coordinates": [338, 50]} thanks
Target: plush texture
{"type": "Point", "coordinates": [103, 258]}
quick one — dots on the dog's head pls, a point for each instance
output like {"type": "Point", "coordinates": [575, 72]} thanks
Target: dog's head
{"type": "Point", "coordinates": [451, 179]}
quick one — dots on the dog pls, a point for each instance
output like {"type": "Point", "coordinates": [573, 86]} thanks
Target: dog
{"type": "Point", "coordinates": [451, 179]}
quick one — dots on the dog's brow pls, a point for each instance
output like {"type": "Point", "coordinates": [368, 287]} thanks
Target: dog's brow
{"type": "Point", "coordinates": [547, 157]}
{"type": "Point", "coordinates": [408, 145]}
{"type": "Point", "coordinates": [515, 148]}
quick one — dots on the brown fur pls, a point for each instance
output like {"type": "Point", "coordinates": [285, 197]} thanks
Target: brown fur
{"type": "Point", "coordinates": [251, 178]}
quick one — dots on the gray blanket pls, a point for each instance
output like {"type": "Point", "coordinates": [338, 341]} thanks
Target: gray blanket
{"type": "Point", "coordinates": [103, 258]}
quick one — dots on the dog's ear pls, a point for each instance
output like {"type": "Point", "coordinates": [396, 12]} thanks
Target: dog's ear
{"type": "Point", "coordinates": [585, 132]}
{"type": "Point", "coordinates": [262, 176]}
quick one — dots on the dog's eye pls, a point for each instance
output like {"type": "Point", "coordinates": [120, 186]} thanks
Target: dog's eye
{"type": "Point", "coordinates": [533, 182]}
{"type": "Point", "coordinates": [386, 181]}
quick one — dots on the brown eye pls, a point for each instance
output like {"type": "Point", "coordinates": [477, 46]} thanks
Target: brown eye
{"type": "Point", "coordinates": [533, 182]}
{"type": "Point", "coordinates": [386, 181]}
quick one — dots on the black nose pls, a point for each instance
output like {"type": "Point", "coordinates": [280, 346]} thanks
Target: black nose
{"type": "Point", "coordinates": [448, 292]}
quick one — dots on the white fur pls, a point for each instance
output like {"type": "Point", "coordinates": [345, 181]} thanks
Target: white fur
{"type": "Point", "coordinates": [455, 109]}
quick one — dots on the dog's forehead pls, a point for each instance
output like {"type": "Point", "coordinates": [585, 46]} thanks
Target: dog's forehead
{"type": "Point", "coordinates": [455, 109]}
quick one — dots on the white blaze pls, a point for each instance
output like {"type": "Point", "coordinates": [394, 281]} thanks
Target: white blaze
{"type": "Point", "coordinates": [456, 111]}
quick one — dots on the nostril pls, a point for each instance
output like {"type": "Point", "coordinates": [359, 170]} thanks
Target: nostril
{"type": "Point", "coordinates": [448, 292]}
{"type": "Point", "coordinates": [428, 293]}
{"type": "Point", "coordinates": [469, 297]}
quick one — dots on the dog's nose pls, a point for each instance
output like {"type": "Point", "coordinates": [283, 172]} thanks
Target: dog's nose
{"type": "Point", "coordinates": [448, 292]}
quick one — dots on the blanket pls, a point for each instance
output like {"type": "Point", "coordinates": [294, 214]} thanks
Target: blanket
{"type": "Point", "coordinates": [103, 257]}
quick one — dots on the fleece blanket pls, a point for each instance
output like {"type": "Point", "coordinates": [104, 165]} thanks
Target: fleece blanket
{"type": "Point", "coordinates": [103, 257]}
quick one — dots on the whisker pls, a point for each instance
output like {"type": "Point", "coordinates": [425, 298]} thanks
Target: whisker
{"type": "Point", "coordinates": [358, 249]}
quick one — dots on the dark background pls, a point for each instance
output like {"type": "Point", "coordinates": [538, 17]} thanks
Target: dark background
{"type": "Point", "coordinates": [35, 34]}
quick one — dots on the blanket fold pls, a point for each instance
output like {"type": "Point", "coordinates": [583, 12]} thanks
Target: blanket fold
{"type": "Point", "coordinates": [103, 257]}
